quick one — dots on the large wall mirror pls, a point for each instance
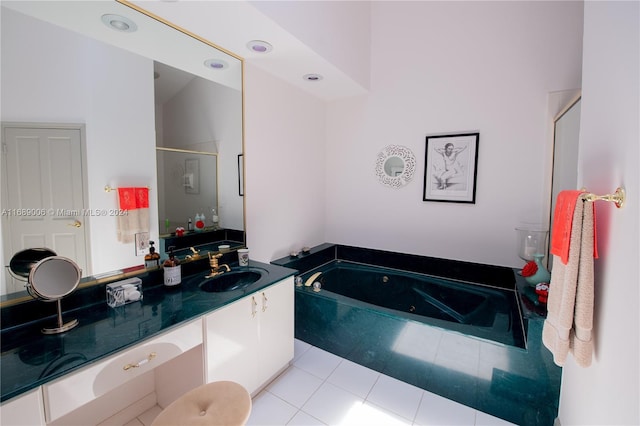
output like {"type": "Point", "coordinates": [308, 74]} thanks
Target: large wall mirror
{"type": "Point", "coordinates": [198, 139]}
{"type": "Point", "coordinates": [566, 138]}
{"type": "Point", "coordinates": [110, 99]}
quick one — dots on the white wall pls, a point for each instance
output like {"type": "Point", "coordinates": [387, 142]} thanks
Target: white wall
{"type": "Point", "coordinates": [608, 391]}
{"type": "Point", "coordinates": [435, 67]}
{"type": "Point", "coordinates": [285, 166]}
{"type": "Point", "coordinates": [441, 67]}
{"type": "Point", "coordinates": [54, 75]}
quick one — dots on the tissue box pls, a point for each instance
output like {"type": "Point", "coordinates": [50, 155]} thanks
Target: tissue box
{"type": "Point", "coordinates": [123, 292]}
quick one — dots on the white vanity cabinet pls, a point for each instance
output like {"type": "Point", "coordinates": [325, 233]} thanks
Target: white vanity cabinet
{"type": "Point", "coordinates": [23, 410]}
{"type": "Point", "coordinates": [86, 385]}
{"type": "Point", "coordinates": [251, 340]}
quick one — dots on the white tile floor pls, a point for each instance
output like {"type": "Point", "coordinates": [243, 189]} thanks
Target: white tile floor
{"type": "Point", "coordinates": [320, 388]}
{"type": "Point", "coordinates": [323, 389]}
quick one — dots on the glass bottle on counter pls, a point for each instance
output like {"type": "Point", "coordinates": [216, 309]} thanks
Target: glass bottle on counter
{"type": "Point", "coordinates": [152, 259]}
{"type": "Point", "coordinates": [215, 219]}
{"type": "Point", "coordinates": [172, 272]}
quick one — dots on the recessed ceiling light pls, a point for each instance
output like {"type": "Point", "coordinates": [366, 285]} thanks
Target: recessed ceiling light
{"type": "Point", "coordinates": [259, 46]}
{"type": "Point", "coordinates": [312, 77]}
{"type": "Point", "coordinates": [119, 23]}
{"type": "Point", "coordinates": [216, 64]}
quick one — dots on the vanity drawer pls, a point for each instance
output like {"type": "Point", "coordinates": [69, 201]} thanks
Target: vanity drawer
{"type": "Point", "coordinates": [76, 389]}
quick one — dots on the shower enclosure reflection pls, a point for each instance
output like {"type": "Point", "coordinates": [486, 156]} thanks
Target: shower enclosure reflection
{"type": "Point", "coordinates": [187, 186]}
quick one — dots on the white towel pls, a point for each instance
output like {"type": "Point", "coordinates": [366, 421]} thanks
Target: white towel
{"type": "Point", "coordinates": [570, 306]}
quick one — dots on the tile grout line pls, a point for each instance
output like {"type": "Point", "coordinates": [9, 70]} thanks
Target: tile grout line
{"type": "Point", "coordinates": [324, 381]}
{"type": "Point", "coordinates": [415, 415]}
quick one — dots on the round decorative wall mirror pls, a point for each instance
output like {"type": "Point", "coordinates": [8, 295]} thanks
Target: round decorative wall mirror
{"type": "Point", "coordinates": [395, 166]}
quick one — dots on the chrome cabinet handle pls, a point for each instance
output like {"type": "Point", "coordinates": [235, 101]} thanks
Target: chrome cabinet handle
{"type": "Point", "coordinates": [264, 302]}
{"type": "Point", "coordinates": [140, 363]}
{"type": "Point", "coordinates": [254, 305]}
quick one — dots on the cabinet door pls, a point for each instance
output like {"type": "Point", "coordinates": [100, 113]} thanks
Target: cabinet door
{"type": "Point", "coordinates": [26, 409]}
{"type": "Point", "coordinates": [232, 343]}
{"type": "Point", "coordinates": [276, 331]}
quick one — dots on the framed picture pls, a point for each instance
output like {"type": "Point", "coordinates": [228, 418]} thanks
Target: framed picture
{"type": "Point", "coordinates": [241, 175]}
{"type": "Point", "coordinates": [191, 178]}
{"type": "Point", "coordinates": [450, 168]}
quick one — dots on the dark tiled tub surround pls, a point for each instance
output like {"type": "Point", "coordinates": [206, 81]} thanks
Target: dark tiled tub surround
{"type": "Point", "coordinates": [518, 384]}
{"type": "Point", "coordinates": [482, 311]}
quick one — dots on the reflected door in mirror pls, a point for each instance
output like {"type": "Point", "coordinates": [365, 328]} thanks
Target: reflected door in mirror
{"type": "Point", "coordinates": [45, 190]}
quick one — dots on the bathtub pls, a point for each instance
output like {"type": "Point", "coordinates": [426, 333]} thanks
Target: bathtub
{"type": "Point", "coordinates": [457, 329]}
{"type": "Point", "coordinates": [475, 310]}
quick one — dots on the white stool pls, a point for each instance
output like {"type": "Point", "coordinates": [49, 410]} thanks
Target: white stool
{"type": "Point", "coordinates": [219, 403]}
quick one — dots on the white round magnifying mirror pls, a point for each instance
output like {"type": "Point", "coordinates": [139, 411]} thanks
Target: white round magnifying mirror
{"type": "Point", "coordinates": [51, 279]}
{"type": "Point", "coordinates": [395, 166]}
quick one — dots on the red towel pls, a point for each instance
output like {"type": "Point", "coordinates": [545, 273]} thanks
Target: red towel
{"type": "Point", "coordinates": [133, 198]}
{"type": "Point", "coordinates": [562, 222]}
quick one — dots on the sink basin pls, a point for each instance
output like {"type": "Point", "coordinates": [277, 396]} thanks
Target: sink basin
{"type": "Point", "coordinates": [230, 281]}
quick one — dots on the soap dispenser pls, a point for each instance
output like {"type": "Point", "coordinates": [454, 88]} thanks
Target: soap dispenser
{"type": "Point", "coordinates": [215, 218]}
{"type": "Point", "coordinates": [172, 271]}
{"type": "Point", "coordinates": [152, 259]}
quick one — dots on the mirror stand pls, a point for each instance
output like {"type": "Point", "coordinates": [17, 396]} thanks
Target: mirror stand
{"type": "Point", "coordinates": [62, 327]}
{"type": "Point", "coordinates": [51, 279]}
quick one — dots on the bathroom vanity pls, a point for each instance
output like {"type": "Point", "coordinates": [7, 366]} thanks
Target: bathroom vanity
{"type": "Point", "coordinates": [119, 362]}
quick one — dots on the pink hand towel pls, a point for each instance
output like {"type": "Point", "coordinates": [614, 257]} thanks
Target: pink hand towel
{"type": "Point", "coordinates": [562, 221]}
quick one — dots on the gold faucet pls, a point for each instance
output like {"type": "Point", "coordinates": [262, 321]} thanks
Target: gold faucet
{"type": "Point", "coordinates": [196, 253]}
{"type": "Point", "coordinates": [215, 268]}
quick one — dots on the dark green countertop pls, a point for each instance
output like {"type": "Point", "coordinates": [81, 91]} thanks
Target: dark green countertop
{"type": "Point", "coordinates": [30, 358]}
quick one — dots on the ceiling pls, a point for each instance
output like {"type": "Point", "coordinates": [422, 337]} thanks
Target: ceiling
{"type": "Point", "coordinates": [232, 24]}
{"type": "Point", "coordinates": [229, 25]}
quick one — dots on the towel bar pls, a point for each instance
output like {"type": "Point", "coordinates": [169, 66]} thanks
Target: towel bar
{"type": "Point", "coordinates": [108, 188]}
{"type": "Point", "coordinates": [617, 197]}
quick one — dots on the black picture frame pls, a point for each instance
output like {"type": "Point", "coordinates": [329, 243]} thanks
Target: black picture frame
{"type": "Point", "coordinates": [241, 175]}
{"type": "Point", "coordinates": [450, 176]}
